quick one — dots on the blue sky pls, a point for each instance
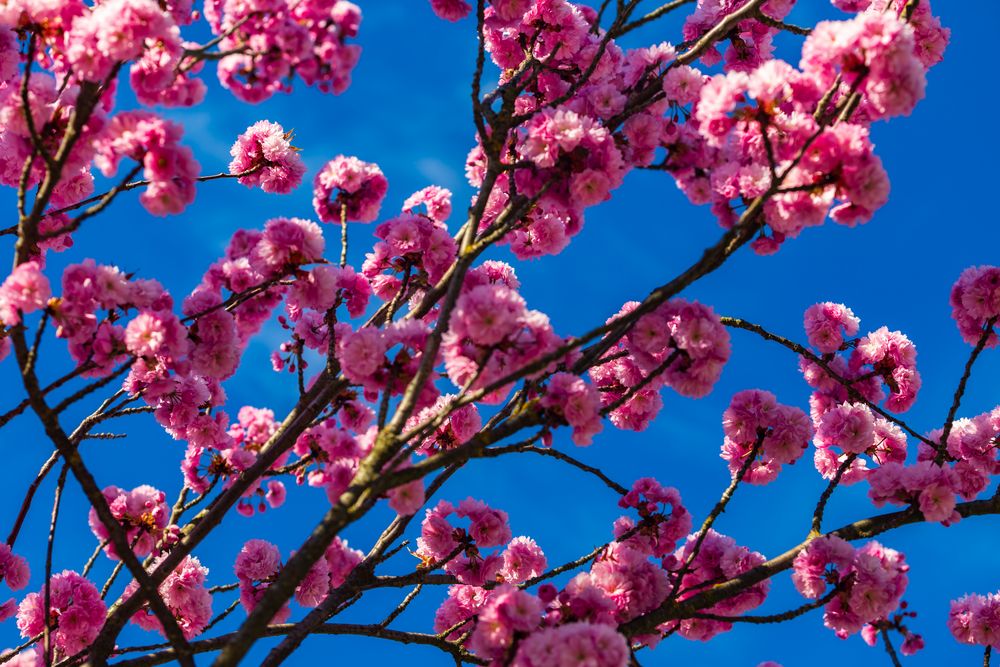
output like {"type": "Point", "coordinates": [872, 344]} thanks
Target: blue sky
{"type": "Point", "coordinates": [408, 111]}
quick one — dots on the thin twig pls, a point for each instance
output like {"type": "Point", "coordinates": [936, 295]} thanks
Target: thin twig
{"type": "Point", "coordinates": [401, 607]}
{"type": "Point", "coordinates": [49, 548]}
{"type": "Point", "coordinates": [775, 618]}
{"type": "Point", "coordinates": [89, 565]}
{"type": "Point", "coordinates": [889, 648]}
{"type": "Point", "coordinates": [817, 519]}
{"type": "Point", "coordinates": [29, 495]}
{"type": "Point", "coordinates": [984, 337]}
{"type": "Point", "coordinates": [719, 508]}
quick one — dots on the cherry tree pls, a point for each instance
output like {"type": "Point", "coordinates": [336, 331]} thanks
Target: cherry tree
{"type": "Point", "coordinates": [407, 366]}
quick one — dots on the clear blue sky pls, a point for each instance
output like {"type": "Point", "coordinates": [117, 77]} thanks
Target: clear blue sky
{"type": "Point", "coordinates": [408, 110]}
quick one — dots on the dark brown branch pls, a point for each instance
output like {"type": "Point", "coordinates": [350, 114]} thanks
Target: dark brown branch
{"type": "Point", "coordinates": [33, 352]}
{"type": "Point", "coordinates": [83, 392]}
{"type": "Point", "coordinates": [573, 564]}
{"type": "Point", "coordinates": [127, 185]}
{"type": "Point", "coordinates": [225, 612]}
{"type": "Point", "coordinates": [102, 203]}
{"type": "Point", "coordinates": [235, 299]}
{"type": "Point", "coordinates": [45, 391]}
{"type": "Point", "coordinates": [89, 565]}
{"type": "Point", "coordinates": [14, 652]}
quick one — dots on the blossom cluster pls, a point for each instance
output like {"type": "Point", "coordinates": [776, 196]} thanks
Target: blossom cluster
{"type": "Point", "coordinates": [975, 619]}
{"type": "Point", "coordinates": [845, 389]}
{"type": "Point", "coordinates": [461, 550]}
{"type": "Point", "coordinates": [75, 606]}
{"type": "Point", "coordinates": [578, 403]}
{"type": "Point", "coordinates": [153, 142]}
{"type": "Point", "coordinates": [756, 424]}
{"type": "Point", "coordinates": [215, 452]}
{"type": "Point", "coordinates": [51, 107]}
{"type": "Point", "coordinates": [755, 130]}
{"type": "Point", "coordinates": [870, 581]}
{"type": "Point", "coordinates": [975, 303]}
{"type": "Point", "coordinates": [185, 595]}
{"type": "Point", "coordinates": [492, 333]}
{"type": "Point", "coordinates": [259, 562]}
{"type": "Point", "coordinates": [329, 455]}
{"type": "Point", "coordinates": [269, 43]}
{"type": "Point", "coordinates": [418, 244]}
{"type": "Point", "coordinates": [81, 47]}
{"type": "Point", "coordinates": [716, 557]}
{"type": "Point", "coordinates": [680, 344]}
{"type": "Point", "coordinates": [360, 188]}
{"type": "Point", "coordinates": [784, 144]}
{"type": "Point", "coordinates": [797, 140]}
{"type": "Point", "coordinates": [264, 156]}
{"type": "Point", "coordinates": [14, 572]}
{"type": "Point", "coordinates": [143, 514]}
{"type": "Point", "coordinates": [629, 577]}
{"type": "Point", "coordinates": [24, 291]}
{"type": "Point", "coordinates": [934, 483]}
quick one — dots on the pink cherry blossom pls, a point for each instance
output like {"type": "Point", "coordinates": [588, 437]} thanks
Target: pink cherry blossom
{"type": "Point", "coordinates": [578, 403]}
{"type": "Point", "coordinates": [14, 569]}
{"type": "Point", "coordinates": [827, 323]}
{"type": "Point", "coordinates": [359, 187]}
{"type": "Point", "coordinates": [142, 512]}
{"type": "Point", "coordinates": [591, 644]}
{"type": "Point", "coordinates": [975, 300]}
{"type": "Point", "coordinates": [265, 155]}
{"type": "Point", "coordinates": [451, 10]}
{"type": "Point", "coordinates": [185, 595]}
{"type": "Point", "coordinates": [23, 291]}
{"type": "Point", "coordinates": [75, 601]}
